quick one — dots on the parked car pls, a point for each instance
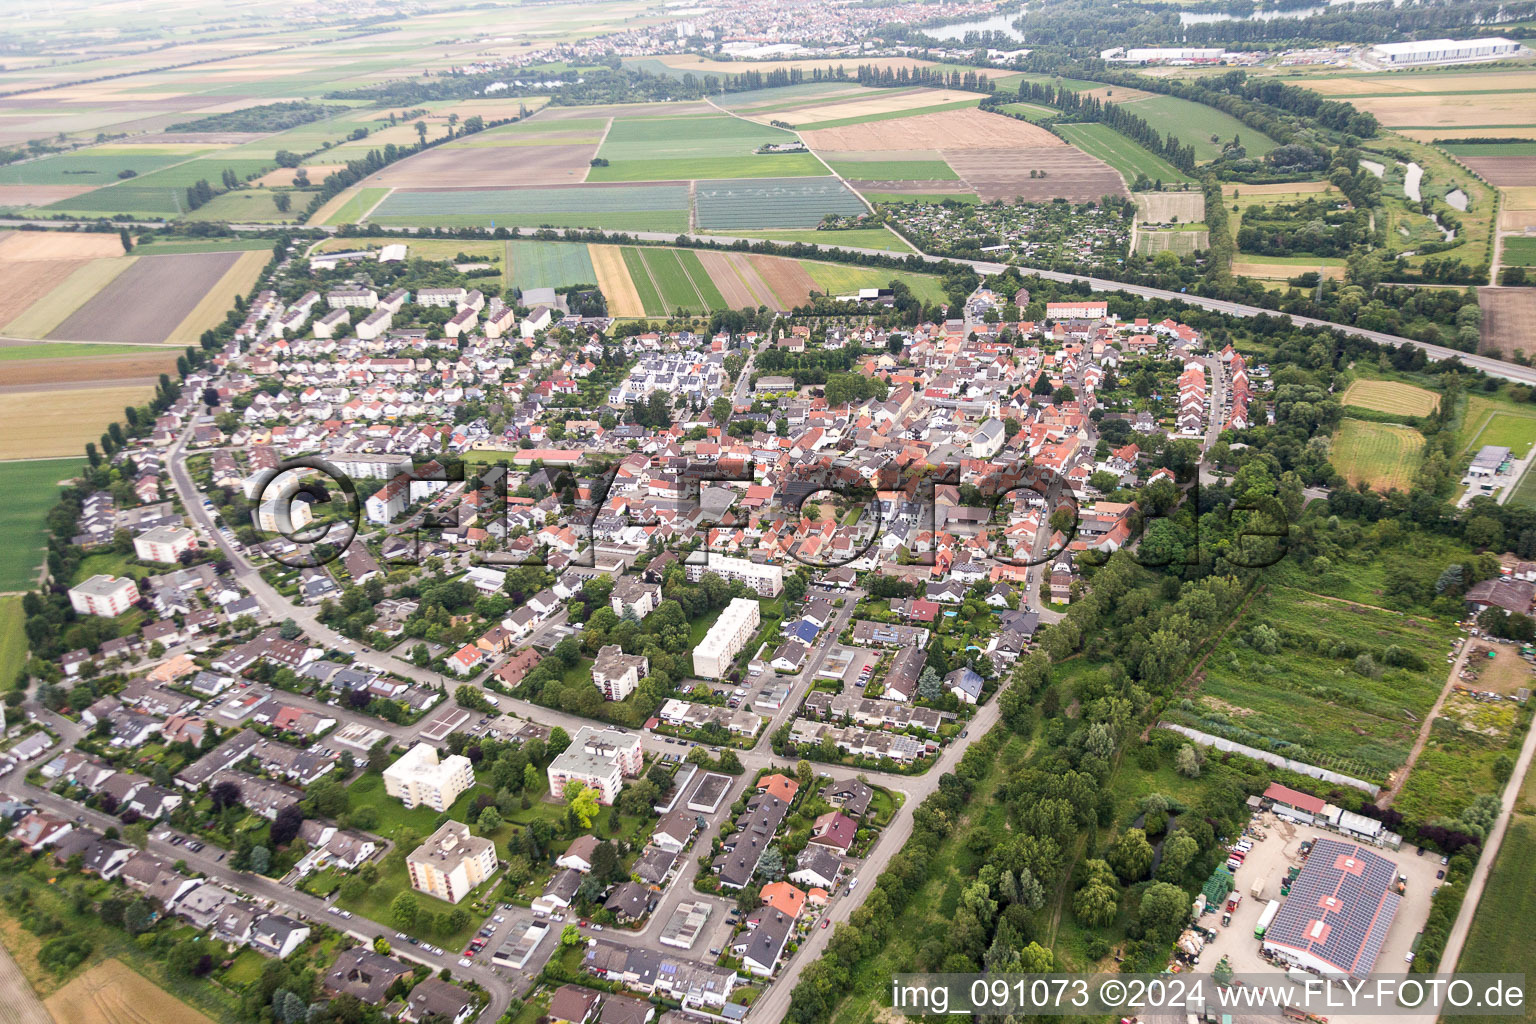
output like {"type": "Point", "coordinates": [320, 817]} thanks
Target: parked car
{"type": "Point", "coordinates": [1439, 874]}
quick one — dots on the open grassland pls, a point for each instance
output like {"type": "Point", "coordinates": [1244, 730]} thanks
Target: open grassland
{"type": "Point", "coordinates": [617, 208]}
{"type": "Point", "coordinates": [180, 246]}
{"type": "Point", "coordinates": [1487, 421]}
{"type": "Point", "coordinates": [1391, 396]}
{"type": "Point", "coordinates": [536, 264]}
{"type": "Point", "coordinates": [247, 206]}
{"type": "Point", "coordinates": [1129, 158]}
{"type": "Point", "coordinates": [1518, 252]}
{"type": "Point", "coordinates": [54, 307]}
{"type": "Point", "coordinates": [112, 993]}
{"type": "Point", "coordinates": [853, 238]}
{"type": "Point", "coordinates": [211, 309]}
{"type": "Point", "coordinates": [724, 206]}
{"type": "Point", "coordinates": [613, 280]}
{"type": "Point", "coordinates": [57, 422]}
{"type": "Point", "coordinates": [1031, 111]}
{"type": "Point", "coordinates": [1194, 124]}
{"type": "Point", "coordinates": [13, 641]}
{"type": "Point", "coordinates": [349, 207]}
{"type": "Point", "coordinates": [1313, 706]}
{"type": "Point", "coordinates": [31, 490]}
{"type": "Point", "coordinates": [1383, 455]}
{"type": "Point", "coordinates": [179, 284]}
{"type": "Point", "coordinates": [1509, 896]}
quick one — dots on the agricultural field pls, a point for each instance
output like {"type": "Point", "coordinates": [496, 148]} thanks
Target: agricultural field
{"type": "Point", "coordinates": [1031, 111]}
{"type": "Point", "coordinates": [1180, 243]}
{"type": "Point", "coordinates": [13, 658]}
{"type": "Point", "coordinates": [217, 301]}
{"type": "Point", "coordinates": [852, 238]}
{"type": "Point", "coordinates": [517, 155]}
{"type": "Point", "coordinates": [249, 206]}
{"type": "Point", "coordinates": [1391, 397]}
{"type": "Point", "coordinates": [1518, 252]}
{"type": "Point", "coordinates": [1509, 112]}
{"type": "Point", "coordinates": [675, 148]}
{"type": "Point", "coordinates": [349, 207]}
{"type": "Point", "coordinates": [844, 279]}
{"type": "Point", "coordinates": [1517, 211]}
{"type": "Point", "coordinates": [613, 280]}
{"type": "Point", "coordinates": [71, 365]}
{"type": "Point", "coordinates": [1315, 707]}
{"type": "Point", "coordinates": [31, 492]}
{"type": "Point", "coordinates": [895, 170]}
{"type": "Point", "coordinates": [1501, 164]}
{"type": "Point", "coordinates": [180, 285]}
{"type": "Point", "coordinates": [1194, 124]}
{"type": "Point", "coordinates": [789, 203]}
{"type": "Point", "coordinates": [1062, 172]}
{"type": "Point", "coordinates": [671, 280]}
{"type": "Point", "coordinates": [1383, 455]}
{"type": "Point", "coordinates": [960, 130]}
{"type": "Point", "coordinates": [646, 289]}
{"type": "Point", "coordinates": [57, 422]}
{"type": "Point", "coordinates": [1170, 207]}
{"type": "Point", "coordinates": [617, 208]}
{"type": "Point", "coordinates": [93, 167]}
{"type": "Point", "coordinates": [113, 993]}
{"type": "Point", "coordinates": [1509, 320]}
{"type": "Point", "coordinates": [1492, 946]}
{"type": "Point", "coordinates": [1126, 156]}
{"type": "Point", "coordinates": [535, 264]}
{"type": "Point", "coordinates": [740, 285]}
{"type": "Point", "coordinates": [874, 105]}
{"type": "Point", "coordinates": [1498, 423]}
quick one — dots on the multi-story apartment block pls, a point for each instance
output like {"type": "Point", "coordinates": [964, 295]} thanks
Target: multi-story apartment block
{"type": "Point", "coordinates": [104, 595]}
{"type": "Point", "coordinates": [419, 778]}
{"type": "Point", "coordinates": [164, 543]}
{"type": "Point", "coordinates": [765, 578]}
{"type": "Point", "coordinates": [725, 639]}
{"type": "Point", "coordinates": [600, 759]}
{"type": "Point", "coordinates": [451, 862]}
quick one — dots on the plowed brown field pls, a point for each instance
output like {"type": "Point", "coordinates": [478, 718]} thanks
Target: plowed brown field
{"type": "Point", "coordinates": [790, 282]}
{"type": "Point", "coordinates": [1068, 174]}
{"type": "Point", "coordinates": [1509, 320]}
{"type": "Point", "coordinates": [28, 281]}
{"type": "Point", "coordinates": [119, 313]}
{"type": "Point", "coordinates": [1504, 171]}
{"type": "Point", "coordinates": [489, 166]}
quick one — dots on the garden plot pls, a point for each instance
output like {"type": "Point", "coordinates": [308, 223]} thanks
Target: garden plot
{"type": "Point", "coordinates": [784, 203]}
{"type": "Point", "coordinates": [1328, 682]}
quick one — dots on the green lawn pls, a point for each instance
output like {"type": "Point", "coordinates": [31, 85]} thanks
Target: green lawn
{"type": "Point", "coordinates": [895, 170]}
{"type": "Point", "coordinates": [30, 492]}
{"type": "Point", "coordinates": [108, 563]}
{"type": "Point", "coordinates": [1120, 152]}
{"type": "Point", "coordinates": [13, 641]}
{"type": "Point", "coordinates": [1195, 123]}
{"type": "Point", "coordinates": [1493, 421]}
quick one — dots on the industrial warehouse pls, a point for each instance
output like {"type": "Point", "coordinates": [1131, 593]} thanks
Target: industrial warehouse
{"type": "Point", "coordinates": [1338, 913]}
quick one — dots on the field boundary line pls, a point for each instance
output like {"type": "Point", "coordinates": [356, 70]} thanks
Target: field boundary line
{"type": "Point", "coordinates": [688, 276]}
{"type": "Point", "coordinates": [666, 307]}
{"type": "Point", "coordinates": [369, 212]}
{"type": "Point", "coordinates": [587, 178]}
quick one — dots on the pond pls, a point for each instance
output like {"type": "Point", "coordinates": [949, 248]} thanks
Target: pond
{"type": "Point", "coordinates": [1000, 23]}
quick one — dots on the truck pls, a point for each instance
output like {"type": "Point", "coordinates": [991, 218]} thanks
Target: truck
{"type": "Point", "coordinates": [1266, 918]}
{"type": "Point", "coordinates": [490, 698]}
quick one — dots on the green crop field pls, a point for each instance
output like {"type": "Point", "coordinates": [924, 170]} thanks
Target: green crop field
{"type": "Point", "coordinates": [1128, 157]}
{"type": "Point", "coordinates": [181, 246]}
{"type": "Point", "coordinates": [1195, 123]}
{"type": "Point", "coordinates": [1519, 252]}
{"type": "Point", "coordinates": [30, 493]}
{"type": "Point", "coordinates": [645, 287]}
{"type": "Point", "coordinates": [13, 639]}
{"type": "Point", "coordinates": [134, 199]}
{"type": "Point", "coordinates": [702, 283]}
{"type": "Point", "coordinates": [895, 170]}
{"type": "Point", "coordinates": [1031, 111]}
{"type": "Point", "coordinates": [210, 169]}
{"type": "Point", "coordinates": [672, 280]}
{"type": "Point", "coordinates": [1384, 455]}
{"type": "Point", "coordinates": [787, 203]}
{"type": "Point", "coordinates": [699, 135]}
{"type": "Point", "coordinates": [357, 206]}
{"type": "Point", "coordinates": [1490, 148]}
{"type": "Point", "coordinates": [86, 167]}
{"type": "Point", "coordinates": [1493, 945]}
{"type": "Point", "coordinates": [853, 238]}
{"type": "Point", "coordinates": [1316, 707]}
{"type": "Point", "coordinates": [777, 165]}
{"type": "Point", "coordinates": [63, 350]}
{"type": "Point", "coordinates": [843, 122]}
{"type": "Point", "coordinates": [549, 264]}
{"type": "Point", "coordinates": [844, 279]}
{"type": "Point", "coordinates": [638, 208]}
{"type": "Point", "coordinates": [249, 205]}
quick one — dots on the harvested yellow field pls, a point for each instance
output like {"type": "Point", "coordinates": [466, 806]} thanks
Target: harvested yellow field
{"type": "Point", "coordinates": [1284, 271]}
{"type": "Point", "coordinates": [1281, 188]}
{"type": "Point", "coordinates": [210, 310]}
{"type": "Point", "coordinates": [614, 282]}
{"type": "Point", "coordinates": [78, 288]}
{"type": "Point", "coordinates": [284, 175]}
{"type": "Point", "coordinates": [48, 423]}
{"type": "Point", "coordinates": [58, 245]}
{"type": "Point", "coordinates": [864, 106]}
{"type": "Point", "coordinates": [1431, 134]}
{"type": "Point", "coordinates": [966, 129]}
{"type": "Point", "coordinates": [1167, 207]}
{"type": "Point", "coordinates": [1420, 111]}
{"type": "Point", "coordinates": [21, 1003]}
{"type": "Point", "coordinates": [1364, 85]}
{"type": "Point", "coordinates": [1115, 94]}
{"type": "Point", "coordinates": [112, 993]}
{"type": "Point", "coordinates": [1391, 396]}
{"type": "Point", "coordinates": [1517, 209]}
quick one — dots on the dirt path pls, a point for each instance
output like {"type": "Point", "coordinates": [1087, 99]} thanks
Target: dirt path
{"type": "Point", "coordinates": [1399, 777]}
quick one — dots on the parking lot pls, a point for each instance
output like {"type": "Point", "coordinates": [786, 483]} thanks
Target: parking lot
{"type": "Point", "coordinates": [1279, 849]}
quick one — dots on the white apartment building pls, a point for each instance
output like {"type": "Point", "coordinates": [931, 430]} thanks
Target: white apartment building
{"type": "Point", "coordinates": [725, 639]}
{"type": "Point", "coordinates": [600, 759]}
{"type": "Point", "coordinates": [616, 674]}
{"type": "Point", "coordinates": [764, 578]}
{"type": "Point", "coordinates": [164, 543]}
{"type": "Point", "coordinates": [419, 778]}
{"type": "Point", "coordinates": [272, 513]}
{"type": "Point", "coordinates": [451, 862]}
{"type": "Point", "coordinates": [352, 298]}
{"type": "Point", "coordinates": [439, 296]}
{"type": "Point", "coordinates": [104, 595]}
